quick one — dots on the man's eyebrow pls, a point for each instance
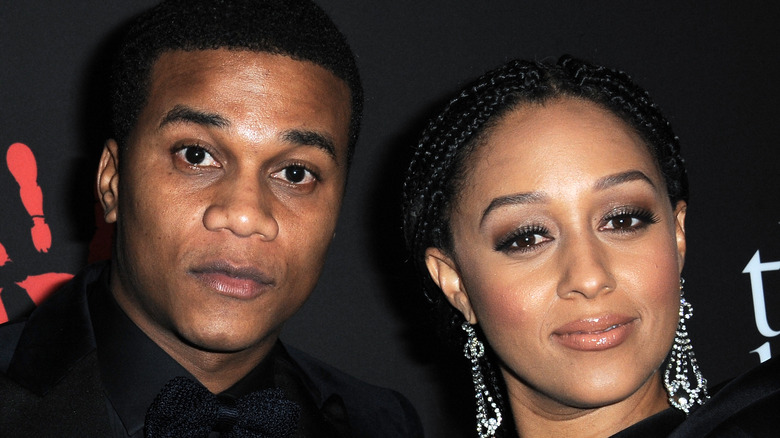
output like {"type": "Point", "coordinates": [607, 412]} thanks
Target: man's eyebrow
{"type": "Point", "coordinates": [311, 138]}
{"type": "Point", "coordinates": [185, 114]}
{"type": "Point", "coordinates": [513, 199]}
{"type": "Point", "coordinates": [620, 178]}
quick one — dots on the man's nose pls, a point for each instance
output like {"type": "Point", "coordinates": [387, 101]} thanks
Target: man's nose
{"type": "Point", "coordinates": [242, 205]}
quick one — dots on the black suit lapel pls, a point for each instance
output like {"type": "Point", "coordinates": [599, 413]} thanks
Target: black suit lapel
{"type": "Point", "coordinates": [56, 337]}
{"type": "Point", "coordinates": [52, 386]}
{"type": "Point", "coordinates": [75, 407]}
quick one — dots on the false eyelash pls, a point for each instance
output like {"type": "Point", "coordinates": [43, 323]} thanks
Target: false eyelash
{"type": "Point", "coordinates": [506, 242]}
{"type": "Point", "coordinates": [645, 216]}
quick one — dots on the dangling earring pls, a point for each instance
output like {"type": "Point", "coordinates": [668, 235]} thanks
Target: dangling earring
{"type": "Point", "coordinates": [475, 350]}
{"type": "Point", "coordinates": [683, 362]}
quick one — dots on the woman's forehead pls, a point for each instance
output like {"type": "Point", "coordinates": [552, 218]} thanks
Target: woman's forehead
{"type": "Point", "coordinates": [559, 139]}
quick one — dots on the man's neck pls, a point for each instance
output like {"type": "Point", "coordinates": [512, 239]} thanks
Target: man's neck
{"type": "Point", "coordinates": [217, 371]}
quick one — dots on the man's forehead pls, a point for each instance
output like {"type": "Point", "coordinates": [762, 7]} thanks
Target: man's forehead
{"type": "Point", "coordinates": [175, 67]}
{"type": "Point", "coordinates": [219, 87]}
{"type": "Point", "coordinates": [238, 55]}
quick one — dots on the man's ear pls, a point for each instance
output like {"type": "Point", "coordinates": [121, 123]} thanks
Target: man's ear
{"type": "Point", "coordinates": [108, 180]}
{"type": "Point", "coordinates": [445, 274]}
{"type": "Point", "coordinates": [679, 230]}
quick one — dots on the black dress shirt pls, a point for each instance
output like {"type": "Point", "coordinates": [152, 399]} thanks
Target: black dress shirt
{"type": "Point", "coordinates": [134, 369]}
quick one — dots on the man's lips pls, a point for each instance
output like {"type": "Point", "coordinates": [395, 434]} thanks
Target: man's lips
{"type": "Point", "coordinates": [595, 334]}
{"type": "Point", "coordinates": [242, 282]}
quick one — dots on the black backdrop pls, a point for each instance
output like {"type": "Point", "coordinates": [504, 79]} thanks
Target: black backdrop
{"type": "Point", "coordinates": [712, 67]}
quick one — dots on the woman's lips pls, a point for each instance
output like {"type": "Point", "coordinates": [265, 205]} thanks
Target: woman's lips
{"type": "Point", "coordinates": [595, 334]}
{"type": "Point", "coordinates": [244, 283]}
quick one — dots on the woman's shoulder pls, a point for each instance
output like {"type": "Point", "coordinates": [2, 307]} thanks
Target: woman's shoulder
{"type": "Point", "coordinates": [748, 406]}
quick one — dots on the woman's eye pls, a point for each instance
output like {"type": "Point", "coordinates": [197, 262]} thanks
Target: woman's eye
{"type": "Point", "coordinates": [523, 241]}
{"type": "Point", "coordinates": [627, 221]}
{"type": "Point", "coordinates": [526, 240]}
{"type": "Point", "coordinates": [296, 175]}
{"type": "Point", "coordinates": [622, 222]}
{"type": "Point", "coordinates": [197, 156]}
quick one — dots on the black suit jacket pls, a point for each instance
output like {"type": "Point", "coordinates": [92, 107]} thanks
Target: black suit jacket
{"type": "Point", "coordinates": [50, 382]}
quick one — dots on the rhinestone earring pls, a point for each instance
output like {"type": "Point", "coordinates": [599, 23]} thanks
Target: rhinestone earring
{"type": "Point", "coordinates": [475, 350]}
{"type": "Point", "coordinates": [683, 363]}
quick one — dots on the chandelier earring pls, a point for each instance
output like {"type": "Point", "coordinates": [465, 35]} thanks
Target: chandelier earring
{"type": "Point", "coordinates": [683, 366]}
{"type": "Point", "coordinates": [474, 350]}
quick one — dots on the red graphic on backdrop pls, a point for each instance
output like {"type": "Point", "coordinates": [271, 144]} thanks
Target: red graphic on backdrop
{"type": "Point", "coordinates": [21, 163]}
{"type": "Point", "coordinates": [39, 287]}
{"type": "Point", "coordinates": [3, 255]}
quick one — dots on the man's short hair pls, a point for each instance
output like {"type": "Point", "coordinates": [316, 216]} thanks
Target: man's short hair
{"type": "Point", "coordinates": [295, 28]}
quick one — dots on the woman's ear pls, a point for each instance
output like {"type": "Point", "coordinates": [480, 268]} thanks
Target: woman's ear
{"type": "Point", "coordinates": [445, 274]}
{"type": "Point", "coordinates": [108, 180]}
{"type": "Point", "coordinates": [679, 230]}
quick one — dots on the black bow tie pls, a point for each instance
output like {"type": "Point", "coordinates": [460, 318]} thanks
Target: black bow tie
{"type": "Point", "coordinates": [185, 408]}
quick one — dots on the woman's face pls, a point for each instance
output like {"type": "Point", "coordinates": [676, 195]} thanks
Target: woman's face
{"type": "Point", "coordinates": [567, 252]}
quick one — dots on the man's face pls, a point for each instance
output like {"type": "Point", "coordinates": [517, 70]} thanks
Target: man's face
{"type": "Point", "coordinates": [227, 195]}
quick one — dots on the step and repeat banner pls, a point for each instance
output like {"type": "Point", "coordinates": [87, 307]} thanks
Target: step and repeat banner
{"type": "Point", "coordinates": [712, 67]}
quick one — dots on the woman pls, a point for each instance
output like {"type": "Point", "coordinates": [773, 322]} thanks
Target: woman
{"type": "Point", "coordinates": [546, 208]}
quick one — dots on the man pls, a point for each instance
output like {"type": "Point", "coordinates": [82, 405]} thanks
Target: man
{"type": "Point", "coordinates": [234, 124]}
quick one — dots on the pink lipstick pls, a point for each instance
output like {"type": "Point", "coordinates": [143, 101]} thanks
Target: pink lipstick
{"type": "Point", "coordinates": [595, 334]}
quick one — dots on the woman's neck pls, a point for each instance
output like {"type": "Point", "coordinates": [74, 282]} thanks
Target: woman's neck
{"type": "Point", "coordinates": [536, 415]}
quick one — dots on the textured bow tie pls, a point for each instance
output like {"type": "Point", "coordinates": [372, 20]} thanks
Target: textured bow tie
{"type": "Point", "coordinates": [185, 408]}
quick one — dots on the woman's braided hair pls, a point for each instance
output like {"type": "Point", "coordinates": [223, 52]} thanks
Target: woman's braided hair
{"type": "Point", "coordinates": [440, 160]}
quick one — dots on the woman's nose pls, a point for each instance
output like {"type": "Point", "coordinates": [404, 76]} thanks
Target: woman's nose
{"type": "Point", "coordinates": [585, 269]}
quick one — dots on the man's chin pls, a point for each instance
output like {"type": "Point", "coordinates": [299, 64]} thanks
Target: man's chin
{"type": "Point", "coordinates": [226, 342]}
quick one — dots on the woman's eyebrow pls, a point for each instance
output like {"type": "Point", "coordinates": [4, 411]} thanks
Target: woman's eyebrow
{"type": "Point", "coordinates": [513, 199]}
{"type": "Point", "coordinates": [539, 197]}
{"type": "Point", "coordinates": [620, 178]}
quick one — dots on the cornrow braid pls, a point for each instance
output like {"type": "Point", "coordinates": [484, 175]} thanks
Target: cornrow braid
{"type": "Point", "coordinates": [440, 159]}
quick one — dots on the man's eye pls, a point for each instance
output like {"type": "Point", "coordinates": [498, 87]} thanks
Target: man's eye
{"type": "Point", "coordinates": [197, 156]}
{"type": "Point", "coordinates": [296, 175]}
